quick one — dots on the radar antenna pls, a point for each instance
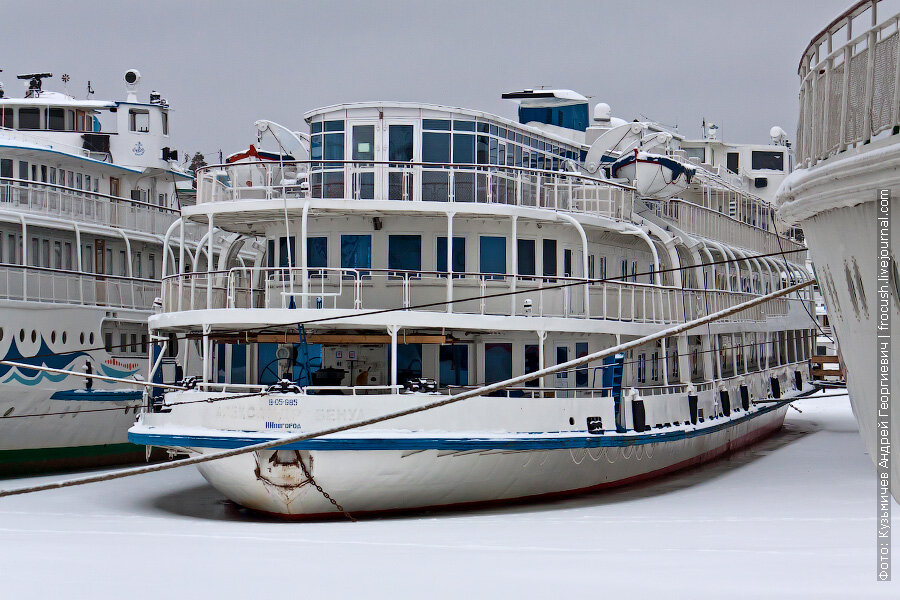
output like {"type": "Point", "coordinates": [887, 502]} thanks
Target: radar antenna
{"type": "Point", "coordinates": [34, 83]}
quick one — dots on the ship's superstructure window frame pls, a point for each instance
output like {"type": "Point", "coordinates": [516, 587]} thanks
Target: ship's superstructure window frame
{"type": "Point", "coordinates": [767, 160]}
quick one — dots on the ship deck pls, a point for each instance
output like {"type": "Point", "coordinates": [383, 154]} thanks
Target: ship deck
{"type": "Point", "coordinates": [798, 509]}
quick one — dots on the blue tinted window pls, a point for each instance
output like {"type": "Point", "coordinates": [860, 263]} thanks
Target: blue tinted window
{"type": "Point", "coordinates": [239, 363]}
{"type": "Point", "coordinates": [334, 125]}
{"type": "Point", "coordinates": [463, 148]}
{"type": "Point", "coordinates": [459, 254]}
{"type": "Point", "coordinates": [454, 365]}
{"type": "Point", "coordinates": [440, 124]}
{"type": "Point", "coordinates": [334, 146]}
{"type": "Point", "coordinates": [574, 116]}
{"type": "Point", "coordinates": [317, 251]}
{"type": "Point", "coordinates": [532, 363]}
{"type": "Point", "coordinates": [405, 252]}
{"type": "Point", "coordinates": [464, 125]}
{"type": "Point", "coordinates": [493, 254]}
{"type": "Point", "coordinates": [436, 147]}
{"type": "Point", "coordinates": [286, 255]}
{"type": "Point", "coordinates": [483, 127]}
{"type": "Point", "coordinates": [356, 251]}
{"type": "Point", "coordinates": [315, 127]}
{"type": "Point", "coordinates": [497, 363]}
{"type": "Point", "coordinates": [549, 257]}
{"type": "Point", "coordinates": [525, 250]}
{"type": "Point", "coordinates": [315, 147]}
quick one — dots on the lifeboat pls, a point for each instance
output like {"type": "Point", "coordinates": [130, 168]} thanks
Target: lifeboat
{"type": "Point", "coordinates": [653, 175]}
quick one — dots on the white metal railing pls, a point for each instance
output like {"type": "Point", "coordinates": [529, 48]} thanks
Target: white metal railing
{"type": "Point", "coordinates": [85, 206]}
{"type": "Point", "coordinates": [371, 289]}
{"type": "Point", "coordinates": [849, 91]}
{"type": "Point", "coordinates": [41, 138]}
{"type": "Point", "coordinates": [714, 225]}
{"type": "Point", "coordinates": [490, 184]}
{"type": "Point", "coordinates": [38, 284]}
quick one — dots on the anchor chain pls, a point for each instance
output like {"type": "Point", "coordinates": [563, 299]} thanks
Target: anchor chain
{"type": "Point", "coordinates": [325, 494]}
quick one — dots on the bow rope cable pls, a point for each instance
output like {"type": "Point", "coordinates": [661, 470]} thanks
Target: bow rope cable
{"type": "Point", "coordinates": [483, 390]}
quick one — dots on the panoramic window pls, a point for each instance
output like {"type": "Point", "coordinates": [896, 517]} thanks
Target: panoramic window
{"type": "Point", "coordinates": [435, 147]}
{"type": "Point", "coordinates": [573, 116]}
{"type": "Point", "coordinates": [400, 143]}
{"type": "Point", "coordinates": [57, 119]}
{"type": "Point", "coordinates": [29, 118]}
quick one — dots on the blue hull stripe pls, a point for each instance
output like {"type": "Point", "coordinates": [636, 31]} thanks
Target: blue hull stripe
{"type": "Point", "coordinates": [445, 443]}
{"type": "Point", "coordinates": [98, 395]}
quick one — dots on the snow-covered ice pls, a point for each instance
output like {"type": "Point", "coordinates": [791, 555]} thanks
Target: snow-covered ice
{"type": "Point", "coordinates": [794, 516]}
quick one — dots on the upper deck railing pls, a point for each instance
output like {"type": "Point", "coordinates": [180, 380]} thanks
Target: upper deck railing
{"type": "Point", "coordinates": [409, 181]}
{"type": "Point", "coordinates": [850, 90]}
{"type": "Point", "coordinates": [85, 206]}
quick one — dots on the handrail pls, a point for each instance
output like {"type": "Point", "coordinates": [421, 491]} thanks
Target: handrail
{"type": "Point", "coordinates": [117, 199]}
{"type": "Point", "coordinates": [80, 273]}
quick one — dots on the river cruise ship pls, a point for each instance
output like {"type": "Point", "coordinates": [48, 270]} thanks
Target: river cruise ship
{"type": "Point", "coordinates": [88, 190]}
{"type": "Point", "coordinates": [422, 250]}
{"type": "Point", "coordinates": [844, 195]}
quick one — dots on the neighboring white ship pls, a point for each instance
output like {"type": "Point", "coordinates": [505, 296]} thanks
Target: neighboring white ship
{"type": "Point", "coordinates": [83, 212]}
{"type": "Point", "coordinates": [848, 149]}
{"type": "Point", "coordinates": [405, 204]}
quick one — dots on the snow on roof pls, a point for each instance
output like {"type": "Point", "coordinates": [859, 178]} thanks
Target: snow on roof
{"type": "Point", "coordinates": [58, 99]}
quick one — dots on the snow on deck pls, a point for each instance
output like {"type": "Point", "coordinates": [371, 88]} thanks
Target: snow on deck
{"type": "Point", "coordinates": [794, 516]}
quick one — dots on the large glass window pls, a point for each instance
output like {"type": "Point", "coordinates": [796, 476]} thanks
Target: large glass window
{"type": "Point", "coordinates": [400, 143]}
{"type": "Point", "coordinates": [6, 117]}
{"type": "Point", "coordinates": [525, 252]}
{"type": "Point", "coordinates": [463, 148]}
{"type": "Point", "coordinates": [356, 251]}
{"type": "Point", "coordinates": [493, 255]}
{"type": "Point", "coordinates": [6, 167]}
{"type": "Point", "coordinates": [549, 256]}
{"type": "Point", "coordinates": [409, 362]}
{"type": "Point", "coordinates": [57, 119]}
{"type": "Point", "coordinates": [435, 147]}
{"type": "Point", "coordinates": [139, 120]}
{"type": "Point", "coordinates": [459, 254]}
{"type": "Point", "coordinates": [405, 252]}
{"type": "Point", "coordinates": [454, 365]}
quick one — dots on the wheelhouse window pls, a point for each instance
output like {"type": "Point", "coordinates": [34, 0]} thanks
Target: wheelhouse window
{"type": "Point", "coordinates": [139, 120]}
{"type": "Point", "coordinates": [6, 117]}
{"type": "Point", "coordinates": [56, 120]}
{"type": "Point", "coordinates": [698, 153]}
{"type": "Point", "coordinates": [573, 116]}
{"type": "Point", "coordinates": [29, 118]}
{"type": "Point", "coordinates": [773, 161]}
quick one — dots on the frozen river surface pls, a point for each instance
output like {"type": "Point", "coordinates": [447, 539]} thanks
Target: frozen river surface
{"type": "Point", "coordinates": [794, 516]}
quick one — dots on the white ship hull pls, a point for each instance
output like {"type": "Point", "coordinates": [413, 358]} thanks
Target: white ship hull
{"type": "Point", "coordinates": [835, 204]}
{"type": "Point", "coordinates": [420, 464]}
{"type": "Point", "coordinates": [31, 435]}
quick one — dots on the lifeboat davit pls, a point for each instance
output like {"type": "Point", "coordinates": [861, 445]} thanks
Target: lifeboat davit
{"type": "Point", "coordinates": [653, 175]}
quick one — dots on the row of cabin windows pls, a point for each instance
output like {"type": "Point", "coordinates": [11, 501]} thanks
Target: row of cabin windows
{"type": "Point", "coordinates": [405, 254]}
{"type": "Point", "coordinates": [39, 173]}
{"type": "Point", "coordinates": [128, 343]}
{"type": "Point", "coordinates": [60, 254]}
{"type": "Point", "coordinates": [470, 142]}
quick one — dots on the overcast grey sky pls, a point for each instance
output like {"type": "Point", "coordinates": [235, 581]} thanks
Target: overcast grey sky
{"type": "Point", "coordinates": [222, 65]}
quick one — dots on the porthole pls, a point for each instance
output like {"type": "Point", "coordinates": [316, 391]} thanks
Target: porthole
{"type": "Point", "coordinates": [64, 336]}
{"type": "Point", "coordinates": [81, 338]}
{"type": "Point", "coordinates": [571, 420]}
{"type": "Point", "coordinates": [33, 336]}
{"type": "Point", "coordinates": [861, 288]}
{"type": "Point", "coordinates": [91, 339]}
{"type": "Point", "coordinates": [1, 333]}
{"type": "Point", "coordinates": [52, 337]}
{"type": "Point", "coordinates": [21, 335]}
{"type": "Point", "coordinates": [851, 289]}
